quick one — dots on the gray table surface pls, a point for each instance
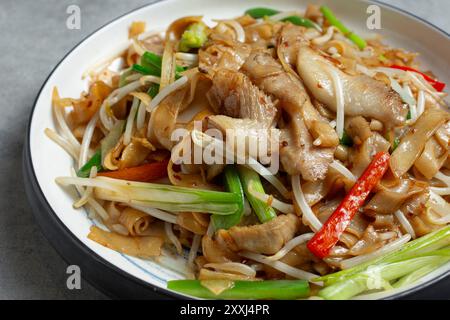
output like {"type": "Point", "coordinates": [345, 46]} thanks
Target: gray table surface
{"type": "Point", "coordinates": [33, 38]}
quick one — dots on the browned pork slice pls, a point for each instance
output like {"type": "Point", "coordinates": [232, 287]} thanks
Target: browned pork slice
{"type": "Point", "coordinates": [233, 94]}
{"type": "Point", "coordinates": [222, 52]}
{"type": "Point", "coordinates": [259, 141]}
{"type": "Point", "coordinates": [299, 155]}
{"type": "Point", "coordinates": [267, 238]}
{"type": "Point", "coordinates": [309, 145]}
{"type": "Point", "coordinates": [363, 96]}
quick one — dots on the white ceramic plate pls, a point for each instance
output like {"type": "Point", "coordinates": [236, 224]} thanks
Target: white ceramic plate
{"type": "Point", "coordinates": [46, 160]}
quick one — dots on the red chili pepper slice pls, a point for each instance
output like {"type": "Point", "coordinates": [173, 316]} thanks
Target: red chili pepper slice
{"type": "Point", "coordinates": [322, 242]}
{"type": "Point", "coordinates": [439, 86]}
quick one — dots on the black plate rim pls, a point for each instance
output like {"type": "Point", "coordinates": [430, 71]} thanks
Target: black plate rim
{"type": "Point", "coordinates": [40, 206]}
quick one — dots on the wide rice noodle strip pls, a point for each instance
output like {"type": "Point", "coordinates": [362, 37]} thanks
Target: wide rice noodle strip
{"type": "Point", "coordinates": [136, 28]}
{"type": "Point", "coordinates": [217, 251]}
{"type": "Point", "coordinates": [413, 143]}
{"type": "Point", "coordinates": [189, 180]}
{"type": "Point", "coordinates": [361, 156]}
{"type": "Point", "coordinates": [233, 267]}
{"type": "Point", "coordinates": [315, 191]}
{"type": "Point", "coordinates": [132, 155]}
{"type": "Point", "coordinates": [189, 221]}
{"type": "Point", "coordinates": [280, 266]}
{"type": "Point", "coordinates": [386, 200]}
{"type": "Point", "coordinates": [432, 158]}
{"type": "Point", "coordinates": [205, 274]}
{"type": "Point", "coordinates": [166, 107]}
{"type": "Point", "coordinates": [63, 143]}
{"type": "Point", "coordinates": [437, 210]}
{"type": "Point", "coordinates": [291, 245]}
{"type": "Point", "coordinates": [113, 212]}
{"type": "Point", "coordinates": [171, 236]}
{"type": "Point", "coordinates": [405, 223]}
{"type": "Point", "coordinates": [388, 248]}
{"type": "Point", "coordinates": [135, 221]}
{"type": "Point", "coordinates": [141, 247]}
{"type": "Point", "coordinates": [308, 215]}
{"type": "Point", "coordinates": [168, 65]}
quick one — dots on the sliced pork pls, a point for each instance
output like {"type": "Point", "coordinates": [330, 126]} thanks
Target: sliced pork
{"type": "Point", "coordinates": [306, 150]}
{"type": "Point", "coordinates": [222, 52]}
{"type": "Point", "coordinates": [233, 94]}
{"type": "Point", "coordinates": [267, 238]}
{"type": "Point", "coordinates": [363, 96]}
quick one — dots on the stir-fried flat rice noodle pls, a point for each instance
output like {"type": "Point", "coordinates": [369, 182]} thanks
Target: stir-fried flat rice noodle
{"type": "Point", "coordinates": [270, 146]}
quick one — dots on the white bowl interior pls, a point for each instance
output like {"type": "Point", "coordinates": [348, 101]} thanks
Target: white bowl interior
{"type": "Point", "coordinates": [50, 161]}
